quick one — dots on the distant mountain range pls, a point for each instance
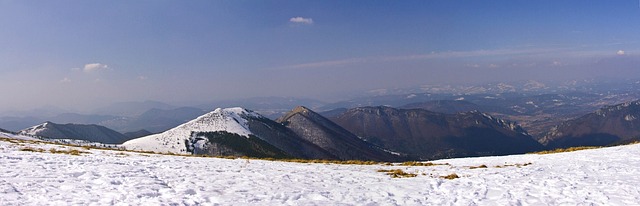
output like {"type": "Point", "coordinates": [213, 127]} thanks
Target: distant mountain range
{"type": "Point", "coordinates": [195, 136]}
{"type": "Point", "coordinates": [132, 109]}
{"type": "Point", "coordinates": [5, 131]}
{"type": "Point", "coordinates": [434, 121]}
{"type": "Point", "coordinates": [270, 107]}
{"type": "Point", "coordinates": [364, 133]}
{"type": "Point", "coordinates": [609, 125]}
{"type": "Point", "coordinates": [430, 135]}
{"type": "Point", "coordinates": [393, 135]}
{"type": "Point", "coordinates": [445, 106]}
{"type": "Point", "coordinates": [154, 120]}
{"type": "Point", "coordinates": [237, 131]}
{"type": "Point", "coordinates": [324, 133]}
{"type": "Point", "coordinates": [152, 116]}
{"type": "Point", "coordinates": [92, 133]}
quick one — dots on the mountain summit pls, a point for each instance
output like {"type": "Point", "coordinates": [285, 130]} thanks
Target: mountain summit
{"type": "Point", "coordinates": [230, 131]}
{"type": "Point", "coordinates": [321, 131]}
{"type": "Point", "coordinates": [88, 132]}
{"type": "Point", "coordinates": [232, 120]}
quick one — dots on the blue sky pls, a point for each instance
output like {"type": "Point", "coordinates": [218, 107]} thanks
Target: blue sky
{"type": "Point", "coordinates": [84, 54]}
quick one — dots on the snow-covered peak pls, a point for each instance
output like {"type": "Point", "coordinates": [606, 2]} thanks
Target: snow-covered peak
{"type": "Point", "coordinates": [35, 130]}
{"type": "Point", "coordinates": [232, 120]}
{"type": "Point", "coordinates": [237, 112]}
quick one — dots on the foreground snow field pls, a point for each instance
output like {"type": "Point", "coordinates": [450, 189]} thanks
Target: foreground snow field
{"type": "Point", "coordinates": [608, 176]}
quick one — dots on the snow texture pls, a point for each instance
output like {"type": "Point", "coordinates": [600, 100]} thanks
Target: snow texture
{"type": "Point", "coordinates": [17, 136]}
{"type": "Point", "coordinates": [232, 120]}
{"type": "Point", "coordinates": [607, 176]}
{"type": "Point", "coordinates": [35, 130]}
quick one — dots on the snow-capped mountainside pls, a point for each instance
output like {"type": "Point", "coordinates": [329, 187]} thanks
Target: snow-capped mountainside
{"type": "Point", "coordinates": [11, 135]}
{"type": "Point", "coordinates": [231, 120]}
{"type": "Point", "coordinates": [607, 176]}
{"type": "Point", "coordinates": [35, 130]}
{"type": "Point", "coordinates": [87, 132]}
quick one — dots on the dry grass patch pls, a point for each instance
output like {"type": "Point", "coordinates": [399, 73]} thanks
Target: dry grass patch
{"type": "Point", "coordinates": [31, 149]}
{"type": "Point", "coordinates": [426, 164]}
{"type": "Point", "coordinates": [397, 173]}
{"type": "Point", "coordinates": [478, 167]}
{"type": "Point", "coordinates": [122, 154]}
{"type": "Point", "coordinates": [69, 152]}
{"type": "Point", "coordinates": [342, 162]}
{"type": "Point", "coordinates": [16, 141]}
{"type": "Point", "coordinates": [451, 176]}
{"type": "Point", "coordinates": [54, 151]}
{"type": "Point", "coordinates": [570, 149]}
{"type": "Point", "coordinates": [308, 161]}
{"type": "Point", "coordinates": [514, 165]}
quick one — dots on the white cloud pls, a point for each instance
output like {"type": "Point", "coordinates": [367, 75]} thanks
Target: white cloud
{"type": "Point", "coordinates": [301, 20]}
{"type": "Point", "coordinates": [620, 52]}
{"type": "Point", "coordinates": [94, 67]}
{"type": "Point", "coordinates": [142, 78]}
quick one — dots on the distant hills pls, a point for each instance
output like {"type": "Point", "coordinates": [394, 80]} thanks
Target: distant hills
{"type": "Point", "coordinates": [5, 131]}
{"type": "Point", "coordinates": [237, 131]}
{"type": "Point", "coordinates": [195, 136]}
{"type": "Point", "coordinates": [431, 135]}
{"type": "Point", "coordinates": [609, 125]}
{"type": "Point", "coordinates": [445, 106]}
{"type": "Point", "coordinates": [434, 121]}
{"type": "Point", "coordinates": [152, 116]}
{"type": "Point", "coordinates": [324, 133]}
{"type": "Point", "coordinates": [154, 120]}
{"type": "Point", "coordinates": [131, 109]}
{"type": "Point", "coordinates": [378, 133]}
{"type": "Point", "coordinates": [393, 135]}
{"type": "Point", "coordinates": [92, 133]}
{"type": "Point", "coordinates": [270, 107]}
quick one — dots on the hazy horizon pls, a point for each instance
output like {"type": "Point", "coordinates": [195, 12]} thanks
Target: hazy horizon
{"type": "Point", "coordinates": [87, 54]}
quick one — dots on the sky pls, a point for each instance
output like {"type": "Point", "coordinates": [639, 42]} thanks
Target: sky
{"type": "Point", "coordinates": [82, 54]}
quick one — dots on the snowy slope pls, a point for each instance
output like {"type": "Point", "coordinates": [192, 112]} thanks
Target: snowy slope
{"type": "Point", "coordinates": [232, 120]}
{"type": "Point", "coordinates": [87, 132]}
{"type": "Point", "coordinates": [17, 136]}
{"type": "Point", "coordinates": [590, 177]}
